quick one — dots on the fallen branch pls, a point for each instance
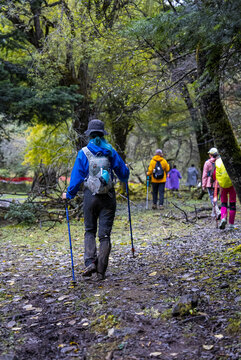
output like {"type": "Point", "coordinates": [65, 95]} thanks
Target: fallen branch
{"type": "Point", "coordinates": [126, 198]}
{"type": "Point", "coordinates": [185, 214]}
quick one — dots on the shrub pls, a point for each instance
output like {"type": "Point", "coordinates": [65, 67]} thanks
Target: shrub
{"type": "Point", "coordinates": [26, 213]}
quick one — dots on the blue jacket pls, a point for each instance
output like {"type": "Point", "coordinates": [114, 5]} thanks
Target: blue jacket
{"type": "Point", "coordinates": [81, 168]}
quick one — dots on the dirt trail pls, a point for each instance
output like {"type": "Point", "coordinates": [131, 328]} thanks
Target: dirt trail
{"type": "Point", "coordinates": [129, 315]}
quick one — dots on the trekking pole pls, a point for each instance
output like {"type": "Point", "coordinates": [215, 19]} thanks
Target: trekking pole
{"type": "Point", "coordinates": [215, 200]}
{"type": "Point", "coordinates": [166, 192]}
{"type": "Point", "coordinates": [70, 243]}
{"type": "Point", "coordinates": [129, 212]}
{"type": "Point", "coordinates": [147, 187]}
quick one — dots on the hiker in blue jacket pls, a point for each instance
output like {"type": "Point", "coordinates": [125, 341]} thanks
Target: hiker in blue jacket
{"type": "Point", "coordinates": [94, 166]}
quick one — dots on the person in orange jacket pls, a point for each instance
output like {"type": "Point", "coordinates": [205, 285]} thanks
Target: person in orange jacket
{"type": "Point", "coordinates": [158, 177]}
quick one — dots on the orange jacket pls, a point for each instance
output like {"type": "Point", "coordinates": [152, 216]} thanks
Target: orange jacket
{"type": "Point", "coordinates": [152, 165]}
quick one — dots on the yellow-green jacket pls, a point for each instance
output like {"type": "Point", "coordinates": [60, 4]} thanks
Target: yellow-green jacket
{"type": "Point", "coordinates": [222, 175]}
{"type": "Point", "coordinates": [152, 165]}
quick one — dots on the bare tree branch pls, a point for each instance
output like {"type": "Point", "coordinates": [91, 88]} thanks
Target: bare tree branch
{"type": "Point", "coordinates": [168, 87]}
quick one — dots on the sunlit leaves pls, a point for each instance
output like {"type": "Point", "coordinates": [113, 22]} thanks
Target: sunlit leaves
{"type": "Point", "coordinates": [48, 143]}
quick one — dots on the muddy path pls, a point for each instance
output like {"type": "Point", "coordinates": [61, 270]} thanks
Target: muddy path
{"type": "Point", "coordinates": [129, 315]}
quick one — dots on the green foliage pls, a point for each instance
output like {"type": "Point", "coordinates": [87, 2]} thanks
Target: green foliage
{"type": "Point", "coordinates": [20, 102]}
{"type": "Point", "coordinates": [14, 188]}
{"type": "Point", "coordinates": [136, 191]}
{"type": "Point", "coordinates": [194, 24]}
{"type": "Point", "coordinates": [52, 107]}
{"type": "Point", "coordinates": [234, 324]}
{"type": "Point", "coordinates": [21, 97]}
{"type": "Point", "coordinates": [109, 59]}
{"type": "Point", "coordinates": [48, 145]}
{"type": "Point", "coordinates": [4, 172]}
{"type": "Point", "coordinates": [236, 250]}
{"type": "Point", "coordinates": [26, 213]}
{"type": "Point", "coordinates": [12, 151]}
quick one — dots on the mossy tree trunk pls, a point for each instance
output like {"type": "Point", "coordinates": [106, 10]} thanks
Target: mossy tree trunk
{"type": "Point", "coordinates": [202, 133]}
{"type": "Point", "coordinates": [212, 110]}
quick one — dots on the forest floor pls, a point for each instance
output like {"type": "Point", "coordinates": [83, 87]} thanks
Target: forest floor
{"type": "Point", "coordinates": [179, 298]}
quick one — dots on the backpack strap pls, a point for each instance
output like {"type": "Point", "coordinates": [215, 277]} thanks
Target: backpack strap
{"type": "Point", "coordinates": [87, 153]}
{"type": "Point", "coordinates": [90, 155]}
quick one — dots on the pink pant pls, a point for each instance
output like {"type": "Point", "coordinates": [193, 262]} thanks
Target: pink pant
{"type": "Point", "coordinates": [232, 203]}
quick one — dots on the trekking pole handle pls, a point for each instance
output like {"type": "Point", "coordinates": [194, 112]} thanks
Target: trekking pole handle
{"type": "Point", "coordinates": [147, 186]}
{"type": "Point", "coordinates": [147, 180]}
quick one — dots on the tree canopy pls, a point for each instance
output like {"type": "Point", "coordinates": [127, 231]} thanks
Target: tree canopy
{"type": "Point", "coordinates": [164, 68]}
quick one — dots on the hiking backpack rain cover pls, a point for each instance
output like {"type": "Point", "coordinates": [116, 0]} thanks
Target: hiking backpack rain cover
{"type": "Point", "coordinates": [222, 175]}
{"type": "Point", "coordinates": [99, 180]}
{"type": "Point", "coordinates": [158, 172]}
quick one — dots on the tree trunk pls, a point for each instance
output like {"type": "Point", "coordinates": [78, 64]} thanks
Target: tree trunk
{"type": "Point", "coordinates": [83, 109]}
{"type": "Point", "coordinates": [203, 136]}
{"type": "Point", "coordinates": [217, 120]}
{"type": "Point", "coordinates": [120, 129]}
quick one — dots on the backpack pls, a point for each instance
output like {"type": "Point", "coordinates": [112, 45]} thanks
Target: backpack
{"type": "Point", "coordinates": [210, 173]}
{"type": "Point", "coordinates": [158, 171]}
{"type": "Point", "coordinates": [222, 175]}
{"type": "Point", "coordinates": [99, 180]}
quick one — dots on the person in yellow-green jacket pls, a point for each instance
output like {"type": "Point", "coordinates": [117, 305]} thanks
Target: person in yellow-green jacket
{"type": "Point", "coordinates": [158, 169]}
{"type": "Point", "coordinates": [227, 190]}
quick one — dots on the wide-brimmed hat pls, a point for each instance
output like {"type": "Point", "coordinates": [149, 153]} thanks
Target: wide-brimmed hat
{"type": "Point", "coordinates": [96, 125]}
{"type": "Point", "coordinates": [213, 151]}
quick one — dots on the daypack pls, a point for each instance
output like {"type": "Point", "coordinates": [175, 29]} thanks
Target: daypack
{"type": "Point", "coordinates": [210, 173]}
{"type": "Point", "coordinates": [222, 175]}
{"type": "Point", "coordinates": [99, 180]}
{"type": "Point", "coordinates": [158, 171]}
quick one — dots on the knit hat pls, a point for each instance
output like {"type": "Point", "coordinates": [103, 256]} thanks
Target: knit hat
{"type": "Point", "coordinates": [95, 126]}
{"type": "Point", "coordinates": [159, 152]}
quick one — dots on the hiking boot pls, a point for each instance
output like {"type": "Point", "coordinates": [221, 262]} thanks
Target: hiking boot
{"type": "Point", "coordinates": [100, 277]}
{"type": "Point", "coordinates": [154, 207]}
{"type": "Point", "coordinates": [161, 207]}
{"type": "Point", "coordinates": [89, 270]}
{"type": "Point", "coordinates": [223, 223]}
{"type": "Point", "coordinates": [231, 227]}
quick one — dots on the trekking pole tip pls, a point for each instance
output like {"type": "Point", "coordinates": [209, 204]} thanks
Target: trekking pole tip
{"type": "Point", "coordinates": [73, 283]}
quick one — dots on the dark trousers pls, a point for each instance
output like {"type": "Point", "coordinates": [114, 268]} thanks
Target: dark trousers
{"type": "Point", "coordinates": [158, 188]}
{"type": "Point", "coordinates": [96, 207]}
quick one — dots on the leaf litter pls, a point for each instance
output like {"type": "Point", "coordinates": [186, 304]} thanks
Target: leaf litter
{"type": "Point", "coordinates": [130, 314]}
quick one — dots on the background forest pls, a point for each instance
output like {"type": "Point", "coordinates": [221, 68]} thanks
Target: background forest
{"type": "Point", "coordinates": [159, 74]}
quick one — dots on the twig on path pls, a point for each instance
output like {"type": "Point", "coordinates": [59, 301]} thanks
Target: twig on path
{"type": "Point", "coordinates": [196, 216]}
{"type": "Point", "coordinates": [126, 198]}
{"type": "Point", "coordinates": [184, 212]}
{"type": "Point", "coordinates": [194, 219]}
{"type": "Point", "coordinates": [168, 238]}
{"type": "Point", "coordinates": [164, 230]}
{"type": "Point", "coordinates": [195, 318]}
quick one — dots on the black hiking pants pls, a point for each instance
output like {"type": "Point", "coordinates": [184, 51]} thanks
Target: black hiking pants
{"type": "Point", "coordinates": [158, 188]}
{"type": "Point", "coordinates": [102, 208]}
